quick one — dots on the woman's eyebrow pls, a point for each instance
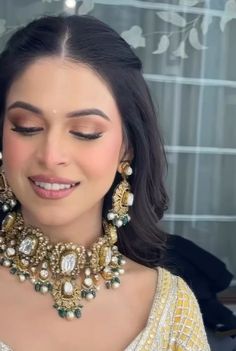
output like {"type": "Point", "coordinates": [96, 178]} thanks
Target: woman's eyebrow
{"type": "Point", "coordinates": [39, 112]}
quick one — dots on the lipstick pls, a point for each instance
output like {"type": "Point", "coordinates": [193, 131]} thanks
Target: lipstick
{"type": "Point", "coordinates": [51, 187]}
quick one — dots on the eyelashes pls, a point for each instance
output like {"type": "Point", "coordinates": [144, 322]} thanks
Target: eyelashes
{"type": "Point", "coordinates": [26, 131]}
{"type": "Point", "coordinates": [30, 131]}
{"type": "Point", "coordinates": [88, 136]}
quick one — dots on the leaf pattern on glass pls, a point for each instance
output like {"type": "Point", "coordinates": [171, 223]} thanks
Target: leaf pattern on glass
{"type": "Point", "coordinates": [163, 44]}
{"type": "Point", "coordinates": [86, 7]}
{"type": "Point", "coordinates": [194, 40]}
{"type": "Point", "coordinates": [229, 13]}
{"type": "Point", "coordinates": [134, 37]}
{"type": "Point", "coordinates": [206, 21]}
{"type": "Point", "coordinates": [180, 51]}
{"type": "Point", "coordinates": [190, 30]}
{"type": "Point", "coordinates": [172, 17]}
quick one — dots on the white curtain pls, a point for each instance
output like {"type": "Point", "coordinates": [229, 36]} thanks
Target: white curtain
{"type": "Point", "coordinates": [189, 53]}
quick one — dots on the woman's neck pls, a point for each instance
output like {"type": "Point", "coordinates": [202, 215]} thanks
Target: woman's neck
{"type": "Point", "coordinates": [83, 230]}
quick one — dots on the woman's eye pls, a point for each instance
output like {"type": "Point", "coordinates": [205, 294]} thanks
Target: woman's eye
{"type": "Point", "coordinates": [86, 136]}
{"type": "Point", "coordinates": [26, 130]}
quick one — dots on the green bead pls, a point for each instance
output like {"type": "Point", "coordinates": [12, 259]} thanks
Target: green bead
{"type": "Point", "coordinates": [13, 270]}
{"type": "Point", "coordinates": [62, 313]}
{"type": "Point", "coordinates": [49, 286]}
{"type": "Point", "coordinates": [77, 313]}
{"type": "Point", "coordinates": [108, 284]}
{"type": "Point", "coordinates": [125, 220]}
{"type": "Point", "coordinates": [37, 287]}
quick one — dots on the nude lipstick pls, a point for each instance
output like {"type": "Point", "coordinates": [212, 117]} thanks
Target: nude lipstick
{"type": "Point", "coordinates": [50, 187]}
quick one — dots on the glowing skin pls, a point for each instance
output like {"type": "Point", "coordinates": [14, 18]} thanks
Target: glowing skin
{"type": "Point", "coordinates": [57, 88]}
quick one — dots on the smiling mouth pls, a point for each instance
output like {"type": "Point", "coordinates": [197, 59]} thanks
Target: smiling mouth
{"type": "Point", "coordinates": [53, 187]}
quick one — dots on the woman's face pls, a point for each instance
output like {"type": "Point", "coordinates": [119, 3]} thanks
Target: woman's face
{"type": "Point", "coordinates": [62, 140]}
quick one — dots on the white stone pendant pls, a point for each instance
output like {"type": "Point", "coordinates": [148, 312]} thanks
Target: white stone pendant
{"type": "Point", "coordinates": [68, 289]}
{"type": "Point", "coordinates": [68, 262]}
{"type": "Point", "coordinates": [28, 246]}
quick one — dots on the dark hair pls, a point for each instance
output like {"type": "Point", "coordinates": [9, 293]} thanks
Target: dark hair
{"type": "Point", "coordinates": [87, 40]}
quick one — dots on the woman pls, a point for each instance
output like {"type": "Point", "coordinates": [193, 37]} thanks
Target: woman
{"type": "Point", "coordinates": [79, 138]}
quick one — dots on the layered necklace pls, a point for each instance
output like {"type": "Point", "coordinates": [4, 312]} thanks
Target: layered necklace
{"type": "Point", "coordinates": [67, 271]}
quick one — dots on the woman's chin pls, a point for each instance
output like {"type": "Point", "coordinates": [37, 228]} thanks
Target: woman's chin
{"type": "Point", "coordinates": [48, 217]}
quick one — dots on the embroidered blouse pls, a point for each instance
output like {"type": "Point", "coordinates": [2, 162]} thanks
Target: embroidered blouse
{"type": "Point", "coordinates": [174, 323]}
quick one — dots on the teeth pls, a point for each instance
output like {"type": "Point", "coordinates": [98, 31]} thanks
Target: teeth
{"type": "Point", "coordinates": [53, 186]}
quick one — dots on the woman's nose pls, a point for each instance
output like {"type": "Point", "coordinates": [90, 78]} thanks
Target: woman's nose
{"type": "Point", "coordinates": [52, 151]}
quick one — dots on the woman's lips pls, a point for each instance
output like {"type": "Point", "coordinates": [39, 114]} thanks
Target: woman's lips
{"type": "Point", "coordinates": [52, 194]}
{"type": "Point", "coordinates": [51, 179]}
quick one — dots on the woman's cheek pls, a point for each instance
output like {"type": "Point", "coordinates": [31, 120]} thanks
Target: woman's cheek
{"type": "Point", "coordinates": [100, 159]}
{"type": "Point", "coordinates": [15, 151]}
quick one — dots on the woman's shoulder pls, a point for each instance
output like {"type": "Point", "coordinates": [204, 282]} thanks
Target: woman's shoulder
{"type": "Point", "coordinates": [179, 304]}
{"type": "Point", "coordinates": [174, 288]}
{"type": "Point", "coordinates": [174, 321]}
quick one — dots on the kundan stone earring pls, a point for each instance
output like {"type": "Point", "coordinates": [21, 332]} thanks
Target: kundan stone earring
{"type": "Point", "coordinates": [7, 198]}
{"type": "Point", "coordinates": [122, 198]}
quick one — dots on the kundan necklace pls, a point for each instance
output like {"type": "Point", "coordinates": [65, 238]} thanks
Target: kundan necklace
{"type": "Point", "coordinates": [68, 271]}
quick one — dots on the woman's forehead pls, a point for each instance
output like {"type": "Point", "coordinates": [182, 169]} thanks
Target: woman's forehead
{"type": "Point", "coordinates": [58, 83]}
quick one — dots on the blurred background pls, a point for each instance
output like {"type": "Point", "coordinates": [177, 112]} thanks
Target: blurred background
{"type": "Point", "coordinates": [188, 51]}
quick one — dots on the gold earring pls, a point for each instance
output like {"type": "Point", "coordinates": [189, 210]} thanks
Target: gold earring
{"type": "Point", "coordinates": [7, 198]}
{"type": "Point", "coordinates": [122, 198]}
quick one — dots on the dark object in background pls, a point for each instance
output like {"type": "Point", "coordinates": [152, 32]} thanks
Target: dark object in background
{"type": "Point", "coordinates": [206, 275]}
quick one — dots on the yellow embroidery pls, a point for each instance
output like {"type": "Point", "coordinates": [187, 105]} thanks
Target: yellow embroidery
{"type": "Point", "coordinates": [175, 322]}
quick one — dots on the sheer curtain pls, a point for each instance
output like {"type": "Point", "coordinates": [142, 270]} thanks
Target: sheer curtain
{"type": "Point", "coordinates": [189, 55]}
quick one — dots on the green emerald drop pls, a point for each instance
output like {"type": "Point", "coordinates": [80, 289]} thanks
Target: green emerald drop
{"type": "Point", "coordinates": [37, 287]}
{"type": "Point", "coordinates": [108, 284]}
{"type": "Point", "coordinates": [77, 313]}
{"type": "Point", "coordinates": [83, 294]}
{"type": "Point", "coordinates": [125, 220]}
{"type": "Point", "coordinates": [13, 270]}
{"type": "Point", "coordinates": [62, 313]}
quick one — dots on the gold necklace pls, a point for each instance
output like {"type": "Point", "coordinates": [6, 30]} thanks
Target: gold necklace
{"type": "Point", "coordinates": [68, 271]}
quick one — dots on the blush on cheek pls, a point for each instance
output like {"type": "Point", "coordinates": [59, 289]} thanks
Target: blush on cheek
{"type": "Point", "coordinates": [104, 159]}
{"type": "Point", "coordinates": [15, 151]}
